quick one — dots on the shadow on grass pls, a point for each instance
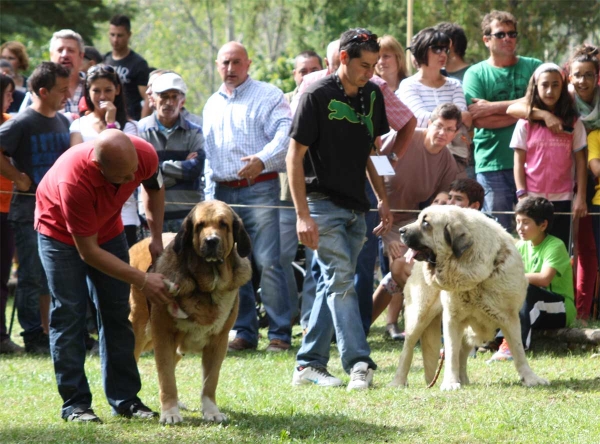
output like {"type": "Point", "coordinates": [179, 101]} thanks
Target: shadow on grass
{"type": "Point", "coordinates": [321, 427]}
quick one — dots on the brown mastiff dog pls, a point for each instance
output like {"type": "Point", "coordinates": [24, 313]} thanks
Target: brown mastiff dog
{"type": "Point", "coordinates": [207, 260]}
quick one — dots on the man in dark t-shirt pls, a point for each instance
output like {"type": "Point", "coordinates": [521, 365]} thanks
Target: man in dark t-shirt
{"type": "Point", "coordinates": [131, 67]}
{"type": "Point", "coordinates": [34, 140]}
{"type": "Point", "coordinates": [338, 120]}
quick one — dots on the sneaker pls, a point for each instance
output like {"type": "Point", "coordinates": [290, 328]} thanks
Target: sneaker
{"type": "Point", "coordinates": [38, 344]}
{"type": "Point", "coordinates": [314, 375]}
{"type": "Point", "coordinates": [393, 331]}
{"type": "Point", "coordinates": [8, 347]}
{"type": "Point", "coordinates": [277, 345]}
{"type": "Point", "coordinates": [138, 410]}
{"type": "Point", "coordinates": [83, 416]}
{"type": "Point", "coordinates": [503, 353]}
{"type": "Point", "coordinates": [240, 344]}
{"type": "Point", "coordinates": [361, 376]}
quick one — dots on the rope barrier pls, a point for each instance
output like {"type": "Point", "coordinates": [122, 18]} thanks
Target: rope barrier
{"type": "Point", "coordinates": [283, 207]}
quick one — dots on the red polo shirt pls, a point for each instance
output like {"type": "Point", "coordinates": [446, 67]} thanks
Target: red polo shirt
{"type": "Point", "coordinates": [74, 198]}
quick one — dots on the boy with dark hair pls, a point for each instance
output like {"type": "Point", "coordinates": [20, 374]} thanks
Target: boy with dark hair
{"type": "Point", "coordinates": [466, 193]}
{"type": "Point", "coordinates": [550, 302]}
{"type": "Point", "coordinates": [131, 67]}
{"type": "Point", "coordinates": [456, 65]}
{"type": "Point", "coordinates": [34, 139]}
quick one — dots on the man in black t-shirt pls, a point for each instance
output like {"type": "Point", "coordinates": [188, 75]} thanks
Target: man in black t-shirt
{"type": "Point", "coordinates": [338, 120]}
{"type": "Point", "coordinates": [131, 67]}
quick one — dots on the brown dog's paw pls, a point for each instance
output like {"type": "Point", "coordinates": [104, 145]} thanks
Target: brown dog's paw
{"type": "Point", "coordinates": [171, 416]}
{"type": "Point", "coordinates": [211, 411]}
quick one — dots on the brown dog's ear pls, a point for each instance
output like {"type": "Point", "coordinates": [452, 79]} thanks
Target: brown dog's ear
{"type": "Point", "coordinates": [184, 235]}
{"type": "Point", "coordinates": [240, 236]}
{"type": "Point", "coordinates": [458, 238]}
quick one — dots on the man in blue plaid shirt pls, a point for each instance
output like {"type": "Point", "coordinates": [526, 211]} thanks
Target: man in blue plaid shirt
{"type": "Point", "coordinates": [246, 125]}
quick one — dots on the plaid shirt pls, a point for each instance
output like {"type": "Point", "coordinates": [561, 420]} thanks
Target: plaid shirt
{"type": "Point", "coordinates": [397, 113]}
{"type": "Point", "coordinates": [254, 120]}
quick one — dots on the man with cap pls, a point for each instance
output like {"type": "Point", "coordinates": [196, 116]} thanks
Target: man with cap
{"type": "Point", "coordinates": [179, 144]}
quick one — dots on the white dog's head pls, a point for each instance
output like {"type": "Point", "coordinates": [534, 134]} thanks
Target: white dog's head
{"type": "Point", "coordinates": [438, 230]}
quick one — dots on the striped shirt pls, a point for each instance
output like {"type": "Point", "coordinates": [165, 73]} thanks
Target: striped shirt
{"type": "Point", "coordinates": [422, 100]}
{"type": "Point", "coordinates": [254, 120]}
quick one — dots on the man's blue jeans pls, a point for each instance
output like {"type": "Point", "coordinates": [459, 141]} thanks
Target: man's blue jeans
{"type": "Point", "coordinates": [288, 239]}
{"type": "Point", "coordinates": [365, 266]}
{"type": "Point", "coordinates": [32, 281]}
{"type": "Point", "coordinates": [500, 189]}
{"type": "Point", "coordinates": [341, 236]}
{"type": "Point", "coordinates": [262, 224]}
{"type": "Point", "coordinates": [71, 281]}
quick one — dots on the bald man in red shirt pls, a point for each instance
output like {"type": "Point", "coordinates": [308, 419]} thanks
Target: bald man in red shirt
{"type": "Point", "coordinates": [83, 250]}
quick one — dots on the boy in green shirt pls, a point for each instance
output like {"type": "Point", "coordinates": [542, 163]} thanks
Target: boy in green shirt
{"type": "Point", "coordinates": [550, 302]}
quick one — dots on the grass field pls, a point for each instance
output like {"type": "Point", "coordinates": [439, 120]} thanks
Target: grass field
{"type": "Point", "coordinates": [263, 407]}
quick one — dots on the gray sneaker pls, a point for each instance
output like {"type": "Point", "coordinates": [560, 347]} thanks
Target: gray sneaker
{"type": "Point", "coordinates": [315, 375]}
{"type": "Point", "coordinates": [8, 347]}
{"type": "Point", "coordinates": [361, 377]}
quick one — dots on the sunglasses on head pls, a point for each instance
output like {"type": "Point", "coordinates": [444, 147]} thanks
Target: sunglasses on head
{"type": "Point", "coordinates": [363, 37]}
{"type": "Point", "coordinates": [438, 49]}
{"type": "Point", "coordinates": [101, 68]}
{"type": "Point", "coordinates": [502, 34]}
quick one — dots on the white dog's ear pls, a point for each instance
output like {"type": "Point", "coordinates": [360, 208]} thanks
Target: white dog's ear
{"type": "Point", "coordinates": [458, 238]}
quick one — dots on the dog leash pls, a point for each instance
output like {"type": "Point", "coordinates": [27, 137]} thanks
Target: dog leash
{"type": "Point", "coordinates": [439, 369]}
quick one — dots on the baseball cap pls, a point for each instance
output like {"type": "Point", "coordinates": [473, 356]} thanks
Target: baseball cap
{"type": "Point", "coordinates": [168, 81]}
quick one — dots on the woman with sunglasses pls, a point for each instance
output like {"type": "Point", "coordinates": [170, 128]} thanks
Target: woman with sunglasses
{"type": "Point", "coordinates": [105, 102]}
{"type": "Point", "coordinates": [429, 88]}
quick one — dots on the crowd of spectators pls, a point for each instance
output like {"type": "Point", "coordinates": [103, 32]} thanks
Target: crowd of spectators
{"type": "Point", "coordinates": [297, 165]}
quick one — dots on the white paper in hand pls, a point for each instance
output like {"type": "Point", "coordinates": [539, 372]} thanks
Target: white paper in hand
{"type": "Point", "coordinates": [383, 166]}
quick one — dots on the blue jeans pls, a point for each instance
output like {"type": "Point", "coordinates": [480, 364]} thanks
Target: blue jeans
{"type": "Point", "coordinates": [71, 281]}
{"type": "Point", "coordinates": [32, 281]}
{"type": "Point", "coordinates": [309, 288]}
{"type": "Point", "coordinates": [365, 266]}
{"type": "Point", "coordinates": [262, 224]}
{"type": "Point", "coordinates": [288, 238]}
{"type": "Point", "coordinates": [500, 189]}
{"type": "Point", "coordinates": [341, 236]}
{"type": "Point", "coordinates": [288, 241]}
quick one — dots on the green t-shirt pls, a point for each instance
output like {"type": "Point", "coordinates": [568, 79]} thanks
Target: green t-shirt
{"type": "Point", "coordinates": [484, 81]}
{"type": "Point", "coordinates": [552, 253]}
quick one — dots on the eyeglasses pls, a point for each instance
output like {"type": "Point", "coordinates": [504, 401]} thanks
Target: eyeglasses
{"type": "Point", "coordinates": [438, 128]}
{"type": "Point", "coordinates": [502, 34]}
{"type": "Point", "coordinates": [438, 49]}
{"type": "Point", "coordinates": [586, 76]}
{"type": "Point", "coordinates": [362, 37]}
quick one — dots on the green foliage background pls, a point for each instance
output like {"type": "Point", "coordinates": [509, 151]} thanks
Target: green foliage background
{"type": "Point", "coordinates": [185, 35]}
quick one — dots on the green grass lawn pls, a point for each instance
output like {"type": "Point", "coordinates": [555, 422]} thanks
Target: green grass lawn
{"type": "Point", "coordinates": [263, 407]}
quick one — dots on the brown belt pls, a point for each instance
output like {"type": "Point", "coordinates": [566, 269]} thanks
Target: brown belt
{"type": "Point", "coordinates": [242, 183]}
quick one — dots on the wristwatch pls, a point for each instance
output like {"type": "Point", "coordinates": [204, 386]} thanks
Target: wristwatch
{"type": "Point", "coordinates": [116, 125]}
{"type": "Point", "coordinates": [520, 193]}
{"type": "Point", "coordinates": [393, 157]}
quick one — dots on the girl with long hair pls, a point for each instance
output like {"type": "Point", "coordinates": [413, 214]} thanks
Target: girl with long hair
{"type": "Point", "coordinates": [547, 144]}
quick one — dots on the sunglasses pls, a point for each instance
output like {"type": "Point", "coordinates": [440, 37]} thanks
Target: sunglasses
{"type": "Point", "coordinates": [501, 35]}
{"type": "Point", "coordinates": [100, 68]}
{"type": "Point", "coordinates": [437, 49]}
{"type": "Point", "coordinates": [363, 37]}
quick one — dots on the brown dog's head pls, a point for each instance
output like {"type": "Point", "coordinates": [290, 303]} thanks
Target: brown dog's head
{"type": "Point", "coordinates": [212, 228]}
{"type": "Point", "coordinates": [439, 230]}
